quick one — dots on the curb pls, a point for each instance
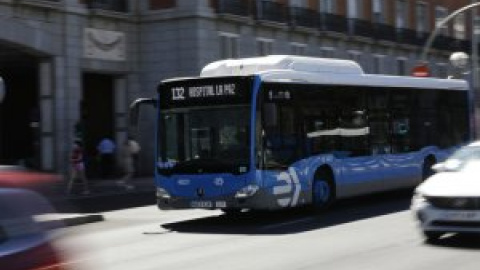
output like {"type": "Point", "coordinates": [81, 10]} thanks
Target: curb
{"type": "Point", "coordinates": [55, 221]}
{"type": "Point", "coordinates": [75, 221]}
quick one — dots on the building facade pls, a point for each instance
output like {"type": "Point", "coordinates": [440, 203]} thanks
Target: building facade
{"type": "Point", "coordinates": [72, 67]}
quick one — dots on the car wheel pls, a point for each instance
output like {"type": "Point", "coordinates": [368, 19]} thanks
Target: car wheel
{"type": "Point", "coordinates": [323, 194]}
{"type": "Point", "coordinates": [431, 237]}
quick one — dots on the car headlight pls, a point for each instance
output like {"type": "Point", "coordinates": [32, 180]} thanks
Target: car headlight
{"type": "Point", "coordinates": [418, 200]}
{"type": "Point", "coordinates": [162, 193]}
{"type": "Point", "coordinates": [247, 191]}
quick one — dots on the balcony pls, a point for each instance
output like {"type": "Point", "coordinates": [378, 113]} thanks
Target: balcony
{"type": "Point", "coordinates": [406, 36]}
{"type": "Point", "coordinates": [447, 43]}
{"type": "Point", "coordinates": [303, 17]}
{"type": "Point", "coordinates": [333, 23]}
{"type": "Point", "coordinates": [271, 11]}
{"type": "Point", "coordinates": [109, 5]}
{"type": "Point", "coordinates": [360, 28]}
{"type": "Point", "coordinates": [233, 7]}
{"type": "Point", "coordinates": [384, 32]}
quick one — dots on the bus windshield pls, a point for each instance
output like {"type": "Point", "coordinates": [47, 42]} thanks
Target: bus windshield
{"type": "Point", "coordinates": [204, 140]}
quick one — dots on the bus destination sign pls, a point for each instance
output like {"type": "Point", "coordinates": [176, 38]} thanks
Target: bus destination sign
{"type": "Point", "coordinates": [204, 92]}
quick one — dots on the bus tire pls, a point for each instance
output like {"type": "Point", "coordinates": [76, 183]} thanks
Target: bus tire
{"type": "Point", "coordinates": [323, 191]}
{"type": "Point", "coordinates": [427, 170]}
{"type": "Point", "coordinates": [231, 211]}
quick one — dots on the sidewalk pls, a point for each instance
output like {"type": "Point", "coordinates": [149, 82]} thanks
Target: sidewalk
{"type": "Point", "coordinates": [105, 187]}
{"type": "Point", "coordinates": [101, 192]}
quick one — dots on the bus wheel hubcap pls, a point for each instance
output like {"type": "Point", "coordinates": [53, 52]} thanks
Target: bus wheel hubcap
{"type": "Point", "coordinates": [321, 192]}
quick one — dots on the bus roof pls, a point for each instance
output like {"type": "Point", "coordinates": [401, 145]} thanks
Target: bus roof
{"type": "Point", "coordinates": [301, 69]}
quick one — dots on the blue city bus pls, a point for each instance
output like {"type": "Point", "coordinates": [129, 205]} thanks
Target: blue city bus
{"type": "Point", "coordinates": [278, 131]}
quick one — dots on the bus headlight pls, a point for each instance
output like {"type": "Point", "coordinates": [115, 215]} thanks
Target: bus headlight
{"type": "Point", "coordinates": [162, 193]}
{"type": "Point", "coordinates": [247, 191]}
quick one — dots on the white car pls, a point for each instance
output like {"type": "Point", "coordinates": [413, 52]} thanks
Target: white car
{"type": "Point", "coordinates": [449, 201]}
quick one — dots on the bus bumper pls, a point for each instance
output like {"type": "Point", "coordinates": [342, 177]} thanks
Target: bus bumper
{"type": "Point", "coordinates": [256, 201]}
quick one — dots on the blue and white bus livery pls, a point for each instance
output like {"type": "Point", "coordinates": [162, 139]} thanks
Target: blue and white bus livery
{"type": "Point", "coordinates": [285, 131]}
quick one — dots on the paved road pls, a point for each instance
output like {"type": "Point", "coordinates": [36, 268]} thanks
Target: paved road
{"type": "Point", "coordinates": [374, 233]}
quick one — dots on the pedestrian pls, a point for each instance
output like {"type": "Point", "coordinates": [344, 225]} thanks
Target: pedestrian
{"type": "Point", "coordinates": [135, 149]}
{"type": "Point", "coordinates": [77, 168]}
{"type": "Point", "coordinates": [106, 151]}
{"type": "Point", "coordinates": [127, 153]}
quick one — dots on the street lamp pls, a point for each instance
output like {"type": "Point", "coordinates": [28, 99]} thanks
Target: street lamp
{"type": "Point", "coordinates": [459, 61]}
{"type": "Point", "coordinates": [474, 55]}
{"type": "Point", "coordinates": [2, 89]}
{"type": "Point", "coordinates": [441, 24]}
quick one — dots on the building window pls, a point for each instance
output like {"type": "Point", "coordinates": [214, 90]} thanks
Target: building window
{"type": "Point", "coordinates": [378, 11]}
{"type": "Point", "coordinates": [327, 52]}
{"type": "Point", "coordinates": [356, 56]}
{"type": "Point", "coordinates": [327, 6]}
{"type": "Point", "coordinates": [298, 3]}
{"type": "Point", "coordinates": [298, 48]}
{"type": "Point", "coordinates": [421, 17]}
{"type": "Point", "coordinates": [264, 46]}
{"type": "Point", "coordinates": [355, 9]}
{"type": "Point", "coordinates": [161, 4]}
{"type": "Point", "coordinates": [459, 29]}
{"type": "Point", "coordinates": [401, 66]}
{"type": "Point", "coordinates": [440, 14]}
{"type": "Point", "coordinates": [378, 64]}
{"type": "Point", "coordinates": [401, 12]}
{"type": "Point", "coordinates": [228, 45]}
{"type": "Point", "coordinates": [441, 70]}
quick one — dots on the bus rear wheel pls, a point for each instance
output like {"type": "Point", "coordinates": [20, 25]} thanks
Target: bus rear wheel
{"type": "Point", "coordinates": [323, 194]}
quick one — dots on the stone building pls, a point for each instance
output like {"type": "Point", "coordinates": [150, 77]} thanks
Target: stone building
{"type": "Point", "coordinates": [73, 66]}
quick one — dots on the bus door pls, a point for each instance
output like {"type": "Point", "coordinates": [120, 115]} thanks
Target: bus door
{"type": "Point", "coordinates": [361, 172]}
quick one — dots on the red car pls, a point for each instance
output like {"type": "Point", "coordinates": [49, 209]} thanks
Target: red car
{"type": "Point", "coordinates": [25, 242]}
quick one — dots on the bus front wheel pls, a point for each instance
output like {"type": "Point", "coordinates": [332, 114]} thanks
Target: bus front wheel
{"type": "Point", "coordinates": [323, 194]}
{"type": "Point", "coordinates": [427, 170]}
{"type": "Point", "coordinates": [231, 211]}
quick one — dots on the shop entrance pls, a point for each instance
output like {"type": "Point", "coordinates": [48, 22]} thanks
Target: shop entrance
{"type": "Point", "coordinates": [97, 113]}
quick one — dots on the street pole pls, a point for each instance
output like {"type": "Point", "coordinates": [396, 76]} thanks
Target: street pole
{"type": "Point", "coordinates": [439, 25]}
{"type": "Point", "coordinates": [474, 56]}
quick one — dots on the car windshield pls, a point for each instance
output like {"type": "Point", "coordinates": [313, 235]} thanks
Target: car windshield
{"type": "Point", "coordinates": [463, 157]}
{"type": "Point", "coordinates": [206, 139]}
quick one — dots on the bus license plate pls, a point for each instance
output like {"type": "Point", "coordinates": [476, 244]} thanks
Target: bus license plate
{"type": "Point", "coordinates": [208, 204]}
{"type": "Point", "coordinates": [201, 204]}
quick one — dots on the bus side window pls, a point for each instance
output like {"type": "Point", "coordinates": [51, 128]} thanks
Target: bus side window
{"type": "Point", "coordinates": [281, 143]}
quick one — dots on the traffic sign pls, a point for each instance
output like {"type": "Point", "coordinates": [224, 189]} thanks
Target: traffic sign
{"type": "Point", "coordinates": [421, 70]}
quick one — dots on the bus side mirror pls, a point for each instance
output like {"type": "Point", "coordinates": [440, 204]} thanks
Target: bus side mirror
{"type": "Point", "coordinates": [134, 111]}
{"type": "Point", "coordinates": [2, 89]}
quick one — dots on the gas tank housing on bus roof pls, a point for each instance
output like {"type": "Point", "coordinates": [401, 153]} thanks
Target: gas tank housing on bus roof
{"type": "Point", "coordinates": [255, 65]}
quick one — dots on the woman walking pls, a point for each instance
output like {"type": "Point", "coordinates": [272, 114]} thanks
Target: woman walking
{"type": "Point", "coordinates": [127, 158]}
{"type": "Point", "coordinates": [77, 168]}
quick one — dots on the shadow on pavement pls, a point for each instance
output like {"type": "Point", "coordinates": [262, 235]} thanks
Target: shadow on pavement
{"type": "Point", "coordinates": [297, 220]}
{"type": "Point", "coordinates": [458, 241]}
